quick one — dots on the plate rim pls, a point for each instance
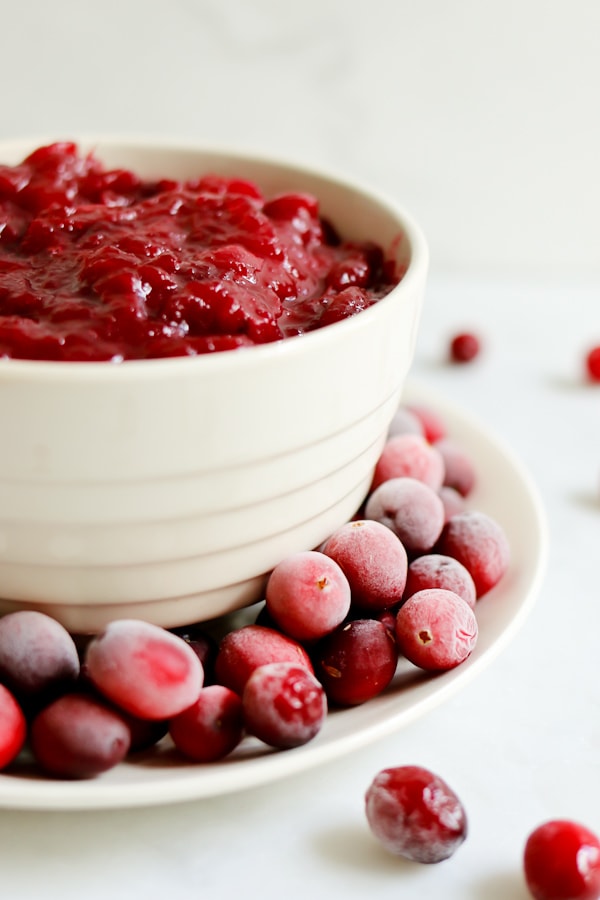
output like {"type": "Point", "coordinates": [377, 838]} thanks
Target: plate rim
{"type": "Point", "coordinates": [192, 782]}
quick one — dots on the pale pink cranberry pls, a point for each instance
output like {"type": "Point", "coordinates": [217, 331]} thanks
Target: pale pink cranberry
{"type": "Point", "coordinates": [307, 595]}
{"type": "Point", "coordinates": [373, 560]}
{"type": "Point", "coordinates": [411, 509]}
{"type": "Point", "coordinates": [13, 727]}
{"type": "Point", "coordinates": [410, 456]}
{"type": "Point", "coordinates": [480, 544]}
{"type": "Point", "coordinates": [284, 705]}
{"type": "Point", "coordinates": [144, 669]}
{"type": "Point", "coordinates": [415, 814]}
{"type": "Point", "coordinates": [459, 467]}
{"type": "Point", "coordinates": [245, 649]}
{"type": "Point", "coordinates": [212, 727]}
{"type": "Point", "coordinates": [38, 657]}
{"type": "Point", "coordinates": [454, 503]}
{"type": "Point", "coordinates": [436, 630]}
{"type": "Point", "coordinates": [356, 662]}
{"type": "Point", "coordinates": [434, 570]}
{"type": "Point", "coordinates": [434, 424]}
{"type": "Point", "coordinates": [405, 422]}
{"type": "Point", "coordinates": [77, 736]}
{"type": "Point", "coordinates": [562, 862]}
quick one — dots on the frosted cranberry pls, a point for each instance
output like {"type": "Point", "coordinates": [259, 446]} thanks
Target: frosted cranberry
{"type": "Point", "coordinates": [356, 662]}
{"type": "Point", "coordinates": [454, 503]}
{"type": "Point", "coordinates": [562, 862]}
{"type": "Point", "coordinates": [405, 422]}
{"type": "Point", "coordinates": [459, 467]}
{"type": "Point", "coordinates": [13, 727]}
{"type": "Point", "coordinates": [436, 629]}
{"type": "Point", "coordinates": [434, 424]}
{"type": "Point", "coordinates": [212, 727]}
{"type": "Point", "coordinates": [409, 456]}
{"type": "Point", "coordinates": [307, 595]}
{"type": "Point", "coordinates": [373, 560]}
{"type": "Point", "coordinates": [38, 657]}
{"type": "Point", "coordinates": [412, 510]}
{"type": "Point", "coordinates": [144, 669]}
{"type": "Point", "coordinates": [592, 364]}
{"type": "Point", "coordinates": [415, 814]}
{"type": "Point", "coordinates": [464, 347]}
{"type": "Point", "coordinates": [480, 544]}
{"type": "Point", "coordinates": [76, 736]}
{"type": "Point", "coordinates": [245, 649]}
{"type": "Point", "coordinates": [284, 705]}
{"type": "Point", "coordinates": [434, 570]}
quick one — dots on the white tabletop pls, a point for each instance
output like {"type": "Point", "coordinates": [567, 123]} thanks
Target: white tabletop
{"type": "Point", "coordinates": [520, 744]}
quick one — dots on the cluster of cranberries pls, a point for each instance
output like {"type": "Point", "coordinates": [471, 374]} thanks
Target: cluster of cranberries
{"type": "Point", "coordinates": [401, 580]}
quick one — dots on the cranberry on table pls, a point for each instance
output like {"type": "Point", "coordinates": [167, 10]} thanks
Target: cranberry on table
{"type": "Point", "coordinates": [13, 727]}
{"type": "Point", "coordinates": [479, 542]}
{"type": "Point", "coordinates": [414, 813]}
{"type": "Point", "coordinates": [245, 649]}
{"type": "Point", "coordinates": [77, 736]}
{"type": "Point", "coordinates": [562, 862]}
{"type": "Point", "coordinates": [307, 595]}
{"type": "Point", "coordinates": [212, 727]}
{"type": "Point", "coordinates": [144, 669]}
{"type": "Point", "coordinates": [356, 662]}
{"type": "Point", "coordinates": [411, 509]}
{"type": "Point", "coordinates": [436, 629]}
{"type": "Point", "coordinates": [464, 347]}
{"type": "Point", "coordinates": [592, 364]}
{"type": "Point", "coordinates": [412, 456]}
{"type": "Point", "coordinates": [374, 561]}
{"type": "Point", "coordinates": [284, 705]}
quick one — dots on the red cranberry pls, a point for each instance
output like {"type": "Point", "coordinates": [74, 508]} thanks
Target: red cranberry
{"type": "Point", "coordinates": [480, 544]}
{"type": "Point", "coordinates": [211, 727]}
{"type": "Point", "coordinates": [409, 456]}
{"type": "Point", "coordinates": [562, 862]}
{"type": "Point", "coordinates": [144, 669]}
{"type": "Point", "coordinates": [464, 347]}
{"type": "Point", "coordinates": [436, 629]}
{"type": "Point", "coordinates": [415, 814]}
{"type": "Point", "coordinates": [307, 595]}
{"type": "Point", "coordinates": [374, 561]}
{"type": "Point", "coordinates": [411, 509]}
{"type": "Point", "coordinates": [284, 705]}
{"type": "Point", "coordinates": [592, 364]}
{"type": "Point", "coordinates": [356, 662]}
{"type": "Point", "coordinates": [245, 649]}
{"type": "Point", "coordinates": [77, 736]}
{"type": "Point", "coordinates": [13, 727]}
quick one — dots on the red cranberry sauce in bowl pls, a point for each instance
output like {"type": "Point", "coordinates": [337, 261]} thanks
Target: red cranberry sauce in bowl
{"type": "Point", "coordinates": [100, 263]}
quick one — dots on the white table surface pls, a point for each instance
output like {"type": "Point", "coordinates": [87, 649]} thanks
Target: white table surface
{"type": "Point", "coordinates": [520, 744]}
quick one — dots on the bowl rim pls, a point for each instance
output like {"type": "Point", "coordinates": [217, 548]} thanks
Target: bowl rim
{"type": "Point", "coordinates": [209, 363]}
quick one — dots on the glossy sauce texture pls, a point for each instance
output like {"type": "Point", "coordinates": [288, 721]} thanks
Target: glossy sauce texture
{"type": "Point", "coordinates": [100, 264]}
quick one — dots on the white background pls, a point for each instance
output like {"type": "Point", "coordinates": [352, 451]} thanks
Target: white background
{"type": "Point", "coordinates": [482, 118]}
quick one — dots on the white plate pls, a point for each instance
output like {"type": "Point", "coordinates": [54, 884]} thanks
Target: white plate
{"type": "Point", "coordinates": [505, 492]}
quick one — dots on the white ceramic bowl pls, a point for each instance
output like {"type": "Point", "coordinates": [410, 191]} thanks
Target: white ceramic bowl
{"type": "Point", "coordinates": [167, 489]}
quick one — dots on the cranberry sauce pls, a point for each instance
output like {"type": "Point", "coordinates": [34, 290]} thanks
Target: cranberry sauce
{"type": "Point", "coordinates": [103, 265]}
